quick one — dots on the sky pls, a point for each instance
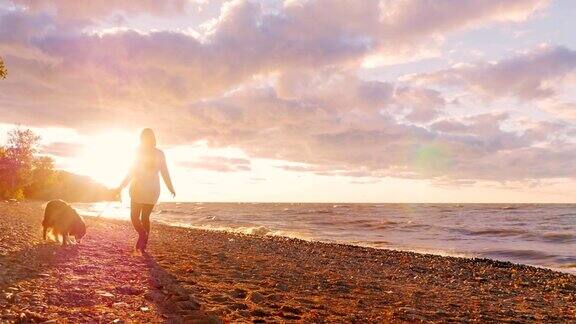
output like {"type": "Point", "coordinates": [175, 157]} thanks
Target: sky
{"type": "Point", "coordinates": [304, 100]}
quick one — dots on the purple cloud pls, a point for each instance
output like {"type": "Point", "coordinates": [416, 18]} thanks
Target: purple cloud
{"type": "Point", "coordinates": [283, 84]}
{"type": "Point", "coordinates": [536, 74]}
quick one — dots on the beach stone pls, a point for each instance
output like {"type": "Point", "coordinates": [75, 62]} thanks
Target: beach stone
{"type": "Point", "coordinates": [108, 318]}
{"type": "Point", "coordinates": [128, 290]}
{"type": "Point", "coordinates": [291, 309]}
{"type": "Point", "coordinates": [239, 293]}
{"type": "Point", "coordinates": [154, 296]}
{"type": "Point", "coordinates": [104, 294]}
{"type": "Point", "coordinates": [409, 313]}
{"type": "Point", "coordinates": [32, 316]}
{"type": "Point", "coordinates": [219, 311]}
{"type": "Point", "coordinates": [255, 297]}
{"type": "Point", "coordinates": [291, 317]}
{"type": "Point", "coordinates": [8, 316]}
{"type": "Point", "coordinates": [239, 306]}
{"type": "Point", "coordinates": [154, 282]}
{"type": "Point", "coordinates": [281, 286]}
{"type": "Point", "coordinates": [120, 305]}
{"type": "Point", "coordinates": [244, 313]}
{"type": "Point", "coordinates": [188, 305]}
{"type": "Point", "coordinates": [260, 313]}
{"type": "Point", "coordinates": [8, 296]}
{"type": "Point", "coordinates": [161, 276]}
{"type": "Point", "coordinates": [220, 298]}
{"type": "Point", "coordinates": [275, 297]}
{"type": "Point", "coordinates": [178, 291]}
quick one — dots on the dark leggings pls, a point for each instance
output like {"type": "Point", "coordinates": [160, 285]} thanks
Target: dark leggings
{"type": "Point", "coordinates": [140, 215]}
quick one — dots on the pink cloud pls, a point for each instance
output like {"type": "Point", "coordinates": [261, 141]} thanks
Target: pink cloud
{"type": "Point", "coordinates": [283, 85]}
{"type": "Point", "coordinates": [560, 109]}
{"type": "Point", "coordinates": [218, 164]}
{"type": "Point", "coordinates": [332, 143]}
{"type": "Point", "coordinates": [536, 74]}
{"type": "Point", "coordinates": [87, 10]}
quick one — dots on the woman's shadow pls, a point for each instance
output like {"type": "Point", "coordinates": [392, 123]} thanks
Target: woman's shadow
{"type": "Point", "coordinates": [35, 261]}
{"type": "Point", "coordinates": [174, 300]}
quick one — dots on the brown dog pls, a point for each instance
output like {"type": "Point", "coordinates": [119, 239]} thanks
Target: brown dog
{"type": "Point", "coordinates": [61, 219]}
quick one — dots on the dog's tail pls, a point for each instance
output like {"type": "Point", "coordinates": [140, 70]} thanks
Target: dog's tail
{"type": "Point", "coordinates": [46, 220]}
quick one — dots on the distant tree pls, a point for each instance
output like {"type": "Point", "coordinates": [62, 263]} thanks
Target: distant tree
{"type": "Point", "coordinates": [22, 145]}
{"type": "Point", "coordinates": [7, 174]}
{"type": "Point", "coordinates": [73, 187]}
{"type": "Point", "coordinates": [44, 178]}
{"type": "Point", "coordinates": [17, 161]}
{"type": "Point", "coordinates": [3, 71]}
{"type": "Point", "coordinates": [25, 174]}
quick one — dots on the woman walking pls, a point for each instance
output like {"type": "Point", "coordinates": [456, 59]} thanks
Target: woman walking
{"type": "Point", "coordinates": [145, 185]}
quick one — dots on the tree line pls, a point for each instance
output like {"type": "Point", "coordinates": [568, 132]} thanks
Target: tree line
{"type": "Point", "coordinates": [25, 174]}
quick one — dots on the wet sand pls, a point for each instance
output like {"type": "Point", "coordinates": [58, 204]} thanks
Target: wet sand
{"type": "Point", "coordinates": [211, 277]}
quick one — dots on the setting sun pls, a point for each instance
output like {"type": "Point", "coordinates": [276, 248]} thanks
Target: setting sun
{"type": "Point", "coordinates": [106, 157]}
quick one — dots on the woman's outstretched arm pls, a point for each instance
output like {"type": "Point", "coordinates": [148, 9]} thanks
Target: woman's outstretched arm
{"type": "Point", "coordinates": [127, 179]}
{"type": "Point", "coordinates": [166, 175]}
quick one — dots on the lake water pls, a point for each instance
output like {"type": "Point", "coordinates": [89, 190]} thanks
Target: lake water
{"type": "Point", "coordinates": [535, 234]}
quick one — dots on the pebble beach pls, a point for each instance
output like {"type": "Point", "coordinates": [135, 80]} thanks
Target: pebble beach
{"type": "Point", "coordinates": [198, 276]}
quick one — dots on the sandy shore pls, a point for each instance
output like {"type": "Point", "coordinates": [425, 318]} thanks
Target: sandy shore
{"type": "Point", "coordinates": [201, 276]}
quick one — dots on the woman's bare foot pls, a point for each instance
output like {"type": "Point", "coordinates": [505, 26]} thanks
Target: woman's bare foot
{"type": "Point", "coordinates": [136, 252]}
{"type": "Point", "coordinates": [143, 242]}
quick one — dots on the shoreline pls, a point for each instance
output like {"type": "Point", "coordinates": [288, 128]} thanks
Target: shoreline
{"type": "Point", "coordinates": [439, 253]}
{"type": "Point", "coordinates": [265, 231]}
{"type": "Point", "coordinates": [424, 252]}
{"type": "Point", "coordinates": [212, 276]}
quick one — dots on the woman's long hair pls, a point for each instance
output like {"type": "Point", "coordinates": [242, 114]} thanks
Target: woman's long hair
{"type": "Point", "coordinates": [147, 139]}
{"type": "Point", "coordinates": [147, 146]}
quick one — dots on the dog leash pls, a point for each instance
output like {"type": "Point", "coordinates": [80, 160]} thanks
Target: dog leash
{"type": "Point", "coordinates": [104, 209]}
{"type": "Point", "coordinates": [108, 205]}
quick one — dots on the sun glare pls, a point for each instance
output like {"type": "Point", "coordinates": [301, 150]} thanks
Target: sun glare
{"type": "Point", "coordinates": [107, 157]}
